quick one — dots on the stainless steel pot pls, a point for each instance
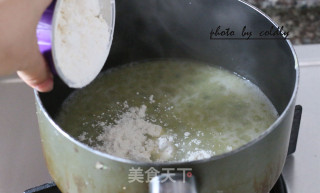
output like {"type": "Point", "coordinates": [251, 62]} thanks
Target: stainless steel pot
{"type": "Point", "coordinates": [181, 29]}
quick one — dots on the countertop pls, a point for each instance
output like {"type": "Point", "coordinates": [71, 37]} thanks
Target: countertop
{"type": "Point", "coordinates": [302, 169]}
{"type": "Point", "coordinates": [300, 18]}
{"type": "Point", "coordinates": [22, 165]}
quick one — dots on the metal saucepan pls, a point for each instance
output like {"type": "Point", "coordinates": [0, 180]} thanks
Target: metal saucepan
{"type": "Point", "coordinates": [181, 29]}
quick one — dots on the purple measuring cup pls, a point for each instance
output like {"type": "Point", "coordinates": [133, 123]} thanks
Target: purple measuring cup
{"type": "Point", "coordinates": [45, 33]}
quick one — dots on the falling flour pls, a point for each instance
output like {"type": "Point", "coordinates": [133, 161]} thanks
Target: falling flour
{"type": "Point", "coordinates": [81, 41]}
{"type": "Point", "coordinates": [131, 136]}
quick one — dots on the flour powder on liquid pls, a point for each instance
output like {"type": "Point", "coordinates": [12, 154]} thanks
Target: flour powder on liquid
{"type": "Point", "coordinates": [81, 41]}
{"type": "Point", "coordinates": [131, 136]}
{"type": "Point", "coordinates": [134, 137]}
{"type": "Point", "coordinates": [176, 125]}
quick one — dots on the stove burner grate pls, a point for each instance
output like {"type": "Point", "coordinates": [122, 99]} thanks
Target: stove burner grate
{"type": "Point", "coordinates": [280, 186]}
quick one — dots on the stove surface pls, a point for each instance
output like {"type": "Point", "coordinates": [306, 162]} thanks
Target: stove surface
{"type": "Point", "coordinates": [302, 169]}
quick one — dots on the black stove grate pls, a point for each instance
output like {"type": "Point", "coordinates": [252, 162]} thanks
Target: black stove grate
{"type": "Point", "coordinates": [279, 187]}
{"type": "Point", "coordinates": [45, 188]}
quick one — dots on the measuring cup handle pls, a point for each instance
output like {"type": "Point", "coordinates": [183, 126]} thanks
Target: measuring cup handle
{"type": "Point", "coordinates": [173, 183]}
{"type": "Point", "coordinates": [44, 35]}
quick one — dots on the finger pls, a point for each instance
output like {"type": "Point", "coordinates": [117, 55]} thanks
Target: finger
{"type": "Point", "coordinates": [37, 74]}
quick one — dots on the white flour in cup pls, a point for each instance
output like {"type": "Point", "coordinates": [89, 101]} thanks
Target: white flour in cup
{"type": "Point", "coordinates": [81, 41]}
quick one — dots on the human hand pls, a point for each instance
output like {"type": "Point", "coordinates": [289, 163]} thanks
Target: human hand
{"type": "Point", "coordinates": [19, 51]}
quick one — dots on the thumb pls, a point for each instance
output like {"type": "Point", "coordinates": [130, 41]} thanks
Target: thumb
{"type": "Point", "coordinates": [36, 74]}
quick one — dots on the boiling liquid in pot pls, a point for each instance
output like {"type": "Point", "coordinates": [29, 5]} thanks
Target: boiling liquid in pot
{"type": "Point", "coordinates": [167, 110]}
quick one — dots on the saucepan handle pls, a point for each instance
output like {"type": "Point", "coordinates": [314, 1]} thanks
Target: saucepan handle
{"type": "Point", "coordinates": [173, 183]}
{"type": "Point", "coordinates": [295, 129]}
